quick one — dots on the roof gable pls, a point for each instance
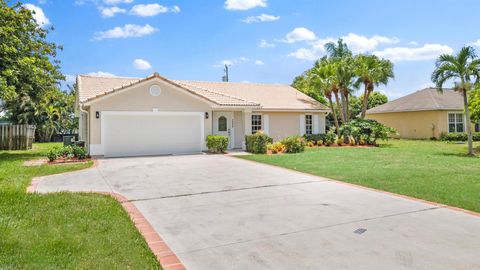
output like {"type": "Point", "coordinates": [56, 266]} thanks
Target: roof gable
{"type": "Point", "coordinates": [429, 99]}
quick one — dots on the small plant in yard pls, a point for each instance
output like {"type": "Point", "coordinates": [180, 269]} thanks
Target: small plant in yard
{"type": "Point", "coordinates": [257, 143]}
{"type": "Point", "coordinates": [217, 144]}
{"type": "Point", "coordinates": [67, 153]}
{"type": "Point", "coordinates": [294, 144]}
{"type": "Point", "coordinates": [330, 137]}
{"type": "Point", "coordinates": [315, 138]}
{"type": "Point", "coordinates": [276, 147]}
{"type": "Point", "coordinates": [340, 141]}
{"type": "Point", "coordinates": [310, 144]}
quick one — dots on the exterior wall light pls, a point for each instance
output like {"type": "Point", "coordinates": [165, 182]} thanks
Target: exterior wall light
{"type": "Point", "coordinates": [206, 115]}
{"type": "Point", "coordinates": [97, 114]}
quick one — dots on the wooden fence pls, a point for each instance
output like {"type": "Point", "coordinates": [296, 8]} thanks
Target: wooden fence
{"type": "Point", "coordinates": [16, 137]}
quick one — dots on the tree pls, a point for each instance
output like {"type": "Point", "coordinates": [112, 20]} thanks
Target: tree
{"type": "Point", "coordinates": [474, 105]}
{"type": "Point", "coordinates": [374, 100]}
{"type": "Point", "coordinates": [302, 83]}
{"type": "Point", "coordinates": [464, 70]}
{"type": "Point", "coordinates": [323, 78]}
{"type": "Point", "coordinates": [371, 71]}
{"type": "Point", "coordinates": [28, 65]}
{"type": "Point", "coordinates": [342, 56]}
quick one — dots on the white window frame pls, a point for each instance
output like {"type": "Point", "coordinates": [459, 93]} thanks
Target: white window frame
{"type": "Point", "coordinates": [255, 126]}
{"type": "Point", "coordinates": [308, 124]}
{"type": "Point", "coordinates": [455, 122]}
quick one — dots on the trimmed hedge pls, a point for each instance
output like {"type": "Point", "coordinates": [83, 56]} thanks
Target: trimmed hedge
{"type": "Point", "coordinates": [459, 137]}
{"type": "Point", "coordinates": [257, 143]}
{"type": "Point", "coordinates": [67, 152]}
{"type": "Point", "coordinates": [294, 144]}
{"type": "Point", "coordinates": [217, 143]}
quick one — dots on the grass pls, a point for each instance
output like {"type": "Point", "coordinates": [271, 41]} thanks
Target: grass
{"type": "Point", "coordinates": [62, 230]}
{"type": "Point", "coordinates": [430, 170]}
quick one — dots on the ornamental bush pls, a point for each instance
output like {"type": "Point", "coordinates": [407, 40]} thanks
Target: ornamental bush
{"type": "Point", "coordinates": [276, 147]}
{"type": "Point", "coordinates": [458, 137]}
{"type": "Point", "coordinates": [315, 138]}
{"type": "Point", "coordinates": [257, 143]}
{"type": "Point", "coordinates": [294, 144]}
{"type": "Point", "coordinates": [67, 152]}
{"type": "Point", "coordinates": [217, 143]}
{"type": "Point", "coordinates": [330, 137]}
{"type": "Point", "coordinates": [366, 130]}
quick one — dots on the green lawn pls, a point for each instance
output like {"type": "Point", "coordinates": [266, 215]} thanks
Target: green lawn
{"type": "Point", "coordinates": [434, 171]}
{"type": "Point", "coordinates": [62, 230]}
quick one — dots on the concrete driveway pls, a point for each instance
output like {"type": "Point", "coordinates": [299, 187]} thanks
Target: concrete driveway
{"type": "Point", "coordinates": [218, 212]}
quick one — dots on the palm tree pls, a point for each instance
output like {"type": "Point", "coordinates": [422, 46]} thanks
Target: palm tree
{"type": "Point", "coordinates": [342, 56]}
{"type": "Point", "coordinates": [464, 70]}
{"type": "Point", "coordinates": [371, 71]}
{"type": "Point", "coordinates": [323, 77]}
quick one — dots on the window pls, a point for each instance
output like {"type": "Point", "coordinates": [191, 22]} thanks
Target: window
{"type": "Point", "coordinates": [455, 122]}
{"type": "Point", "coordinates": [308, 124]}
{"type": "Point", "coordinates": [256, 123]}
{"type": "Point", "coordinates": [222, 123]}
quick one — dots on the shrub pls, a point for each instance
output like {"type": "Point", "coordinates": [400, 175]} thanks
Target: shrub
{"type": "Point", "coordinates": [276, 147]}
{"type": "Point", "coordinates": [310, 144]}
{"type": "Point", "coordinates": [257, 143]}
{"type": "Point", "coordinates": [458, 137]}
{"type": "Point", "coordinates": [366, 130]}
{"type": "Point", "coordinates": [330, 137]}
{"type": "Point", "coordinates": [217, 143]}
{"type": "Point", "coordinates": [79, 152]}
{"type": "Point", "coordinates": [315, 138]}
{"type": "Point", "coordinates": [340, 141]}
{"type": "Point", "coordinates": [294, 144]}
{"type": "Point", "coordinates": [53, 154]}
{"type": "Point", "coordinates": [67, 152]}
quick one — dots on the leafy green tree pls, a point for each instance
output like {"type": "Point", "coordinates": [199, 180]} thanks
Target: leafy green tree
{"type": "Point", "coordinates": [464, 70]}
{"type": "Point", "coordinates": [474, 105]}
{"type": "Point", "coordinates": [28, 65]}
{"type": "Point", "coordinates": [371, 71]}
{"type": "Point", "coordinates": [302, 83]}
{"type": "Point", "coordinates": [374, 100]}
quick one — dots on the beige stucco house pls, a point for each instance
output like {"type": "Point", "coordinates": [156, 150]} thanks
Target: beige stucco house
{"type": "Point", "coordinates": [121, 116]}
{"type": "Point", "coordinates": [423, 114]}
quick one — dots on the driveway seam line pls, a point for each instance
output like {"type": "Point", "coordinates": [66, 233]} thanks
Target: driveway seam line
{"type": "Point", "coordinates": [220, 191]}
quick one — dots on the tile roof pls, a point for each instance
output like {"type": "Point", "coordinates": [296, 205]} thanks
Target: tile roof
{"type": "Point", "coordinates": [266, 96]}
{"type": "Point", "coordinates": [429, 99]}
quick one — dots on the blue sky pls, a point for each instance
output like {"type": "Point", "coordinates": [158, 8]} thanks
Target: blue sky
{"type": "Point", "coordinates": [268, 41]}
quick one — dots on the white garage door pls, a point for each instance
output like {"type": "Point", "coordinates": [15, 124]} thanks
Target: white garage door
{"type": "Point", "coordinates": [151, 133]}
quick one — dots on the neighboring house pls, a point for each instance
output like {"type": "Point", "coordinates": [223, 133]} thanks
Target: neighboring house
{"type": "Point", "coordinates": [154, 115]}
{"type": "Point", "coordinates": [423, 114]}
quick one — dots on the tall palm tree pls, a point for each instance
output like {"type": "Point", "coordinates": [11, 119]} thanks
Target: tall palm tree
{"type": "Point", "coordinates": [342, 56]}
{"type": "Point", "coordinates": [371, 71]}
{"type": "Point", "coordinates": [323, 77]}
{"type": "Point", "coordinates": [464, 70]}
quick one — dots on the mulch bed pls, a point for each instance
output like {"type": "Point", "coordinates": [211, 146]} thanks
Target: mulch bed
{"type": "Point", "coordinates": [39, 162]}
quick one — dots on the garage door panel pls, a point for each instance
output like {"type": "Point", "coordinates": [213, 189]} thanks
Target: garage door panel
{"type": "Point", "coordinates": [151, 134]}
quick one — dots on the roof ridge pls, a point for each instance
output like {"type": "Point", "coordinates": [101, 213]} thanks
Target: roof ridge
{"type": "Point", "coordinates": [246, 83]}
{"type": "Point", "coordinates": [108, 77]}
{"type": "Point", "coordinates": [215, 92]}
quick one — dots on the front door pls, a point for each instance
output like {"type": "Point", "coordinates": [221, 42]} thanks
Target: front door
{"type": "Point", "coordinates": [223, 125]}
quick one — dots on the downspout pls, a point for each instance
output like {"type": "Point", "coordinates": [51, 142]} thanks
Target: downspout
{"type": "Point", "coordinates": [87, 139]}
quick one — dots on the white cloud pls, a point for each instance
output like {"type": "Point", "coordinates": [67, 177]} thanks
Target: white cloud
{"type": "Point", "coordinates": [259, 63]}
{"type": "Point", "coordinates": [426, 52]}
{"type": "Point", "coordinates": [116, 2]}
{"type": "Point", "coordinates": [70, 79]}
{"type": "Point", "coordinates": [141, 64]}
{"type": "Point", "coordinates": [261, 18]}
{"type": "Point", "coordinates": [232, 62]}
{"type": "Point", "coordinates": [264, 44]}
{"type": "Point", "coordinates": [305, 54]}
{"type": "Point", "coordinates": [475, 43]}
{"type": "Point", "coordinates": [102, 74]}
{"type": "Point", "coordinates": [175, 9]}
{"type": "Point", "coordinates": [299, 34]}
{"type": "Point", "coordinates": [244, 4]}
{"type": "Point", "coordinates": [414, 43]}
{"type": "Point", "coordinates": [111, 11]}
{"type": "Point", "coordinates": [127, 31]}
{"type": "Point", "coordinates": [37, 14]}
{"type": "Point", "coordinates": [148, 10]}
{"type": "Point", "coordinates": [360, 44]}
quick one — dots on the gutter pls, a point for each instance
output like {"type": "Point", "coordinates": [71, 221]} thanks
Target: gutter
{"type": "Point", "coordinates": [87, 139]}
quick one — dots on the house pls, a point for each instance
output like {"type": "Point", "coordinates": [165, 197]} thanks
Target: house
{"type": "Point", "coordinates": [121, 116]}
{"type": "Point", "coordinates": [424, 114]}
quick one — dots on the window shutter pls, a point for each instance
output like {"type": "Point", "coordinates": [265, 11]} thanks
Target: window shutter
{"type": "Point", "coordinates": [315, 124]}
{"type": "Point", "coordinates": [302, 124]}
{"type": "Point", "coordinates": [266, 124]}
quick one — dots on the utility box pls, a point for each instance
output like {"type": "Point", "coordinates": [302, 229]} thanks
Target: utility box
{"type": "Point", "coordinates": [68, 140]}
